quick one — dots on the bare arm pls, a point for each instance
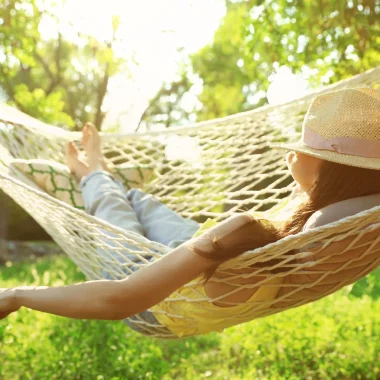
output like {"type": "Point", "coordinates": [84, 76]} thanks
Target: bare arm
{"type": "Point", "coordinates": [120, 299]}
{"type": "Point", "coordinates": [117, 299]}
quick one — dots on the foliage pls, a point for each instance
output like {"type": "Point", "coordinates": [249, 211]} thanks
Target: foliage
{"type": "Point", "coordinates": [224, 82]}
{"type": "Point", "coordinates": [55, 78]}
{"type": "Point", "coordinates": [327, 41]}
{"type": "Point", "coordinates": [166, 108]}
{"type": "Point", "coordinates": [369, 285]}
{"type": "Point", "coordinates": [334, 338]}
{"type": "Point", "coordinates": [322, 41]}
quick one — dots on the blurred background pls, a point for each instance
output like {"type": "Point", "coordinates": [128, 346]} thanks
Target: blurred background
{"type": "Point", "coordinates": [144, 65]}
{"type": "Point", "coordinates": [153, 64]}
{"type": "Point", "coordinates": [136, 65]}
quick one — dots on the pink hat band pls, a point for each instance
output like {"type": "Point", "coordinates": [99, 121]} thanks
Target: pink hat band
{"type": "Point", "coordinates": [345, 145]}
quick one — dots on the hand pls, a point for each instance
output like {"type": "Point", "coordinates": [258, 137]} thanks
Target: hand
{"type": "Point", "coordinates": [8, 302]}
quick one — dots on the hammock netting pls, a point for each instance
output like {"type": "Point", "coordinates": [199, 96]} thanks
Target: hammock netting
{"type": "Point", "coordinates": [231, 168]}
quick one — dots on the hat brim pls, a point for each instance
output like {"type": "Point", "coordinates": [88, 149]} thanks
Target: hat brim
{"type": "Point", "coordinates": [340, 158]}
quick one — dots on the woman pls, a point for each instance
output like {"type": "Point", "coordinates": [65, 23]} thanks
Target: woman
{"type": "Point", "coordinates": [336, 167]}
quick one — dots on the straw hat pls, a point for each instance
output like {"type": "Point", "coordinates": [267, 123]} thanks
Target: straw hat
{"type": "Point", "coordinates": [344, 127]}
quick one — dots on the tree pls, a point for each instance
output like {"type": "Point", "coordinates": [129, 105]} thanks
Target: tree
{"type": "Point", "coordinates": [54, 78]}
{"type": "Point", "coordinates": [219, 66]}
{"type": "Point", "coordinates": [58, 80]}
{"type": "Point", "coordinates": [326, 41]}
{"type": "Point", "coordinates": [322, 41]}
{"type": "Point", "coordinates": [167, 107]}
{"type": "Point", "coordinates": [216, 67]}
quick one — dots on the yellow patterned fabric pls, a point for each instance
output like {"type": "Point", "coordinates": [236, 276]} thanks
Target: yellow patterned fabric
{"type": "Point", "coordinates": [204, 315]}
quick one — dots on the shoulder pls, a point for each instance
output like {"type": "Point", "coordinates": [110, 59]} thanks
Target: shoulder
{"type": "Point", "coordinates": [341, 210]}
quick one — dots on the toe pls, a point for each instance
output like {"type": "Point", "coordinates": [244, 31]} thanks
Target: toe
{"type": "Point", "coordinates": [91, 129]}
{"type": "Point", "coordinates": [71, 150]}
{"type": "Point", "coordinates": [87, 131]}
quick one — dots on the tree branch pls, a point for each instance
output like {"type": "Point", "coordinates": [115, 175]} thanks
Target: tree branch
{"type": "Point", "coordinates": [102, 90]}
{"type": "Point", "coordinates": [54, 79]}
{"type": "Point", "coordinates": [57, 79]}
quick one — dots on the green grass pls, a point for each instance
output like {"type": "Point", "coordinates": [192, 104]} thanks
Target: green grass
{"type": "Point", "coordinates": [335, 338]}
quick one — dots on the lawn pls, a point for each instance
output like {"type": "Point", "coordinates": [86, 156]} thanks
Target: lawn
{"type": "Point", "coordinates": [335, 338]}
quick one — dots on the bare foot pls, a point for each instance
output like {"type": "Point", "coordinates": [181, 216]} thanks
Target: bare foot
{"type": "Point", "coordinates": [77, 167]}
{"type": "Point", "coordinates": [92, 142]}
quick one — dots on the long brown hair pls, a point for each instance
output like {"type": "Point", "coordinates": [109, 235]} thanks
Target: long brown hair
{"type": "Point", "coordinates": [335, 183]}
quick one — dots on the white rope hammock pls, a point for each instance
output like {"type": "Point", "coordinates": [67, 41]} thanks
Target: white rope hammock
{"type": "Point", "coordinates": [231, 169]}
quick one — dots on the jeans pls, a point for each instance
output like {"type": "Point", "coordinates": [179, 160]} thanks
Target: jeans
{"type": "Point", "coordinates": [138, 212]}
